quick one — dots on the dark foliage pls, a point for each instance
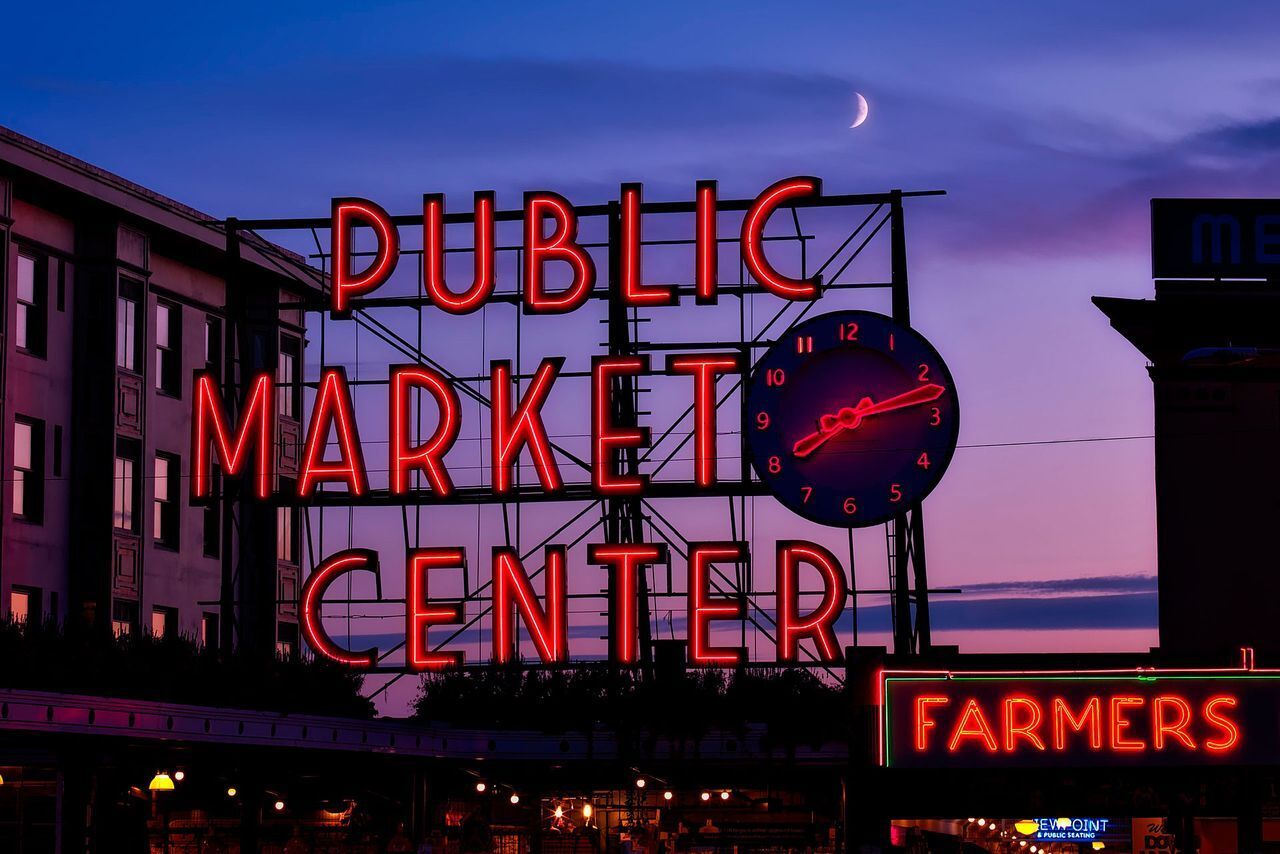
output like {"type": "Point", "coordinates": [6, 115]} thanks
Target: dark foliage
{"type": "Point", "coordinates": [47, 657]}
{"type": "Point", "coordinates": [795, 705]}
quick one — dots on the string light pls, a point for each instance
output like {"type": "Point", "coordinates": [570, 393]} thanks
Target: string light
{"type": "Point", "coordinates": [231, 791]}
{"type": "Point", "coordinates": [279, 806]}
{"type": "Point", "coordinates": [586, 810]}
{"type": "Point", "coordinates": [724, 796]}
{"type": "Point", "coordinates": [706, 796]}
{"type": "Point", "coordinates": [640, 783]}
{"type": "Point", "coordinates": [515, 799]}
{"type": "Point", "coordinates": [480, 787]}
{"type": "Point", "coordinates": [179, 775]}
{"type": "Point", "coordinates": [668, 795]}
{"type": "Point", "coordinates": [559, 811]}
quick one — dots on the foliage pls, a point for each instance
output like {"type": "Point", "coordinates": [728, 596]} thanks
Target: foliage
{"type": "Point", "coordinates": [794, 704]}
{"type": "Point", "coordinates": [79, 660]}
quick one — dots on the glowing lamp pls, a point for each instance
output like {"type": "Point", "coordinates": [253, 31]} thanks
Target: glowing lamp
{"type": "Point", "coordinates": [724, 796]}
{"type": "Point", "coordinates": [1022, 843]}
{"type": "Point", "coordinates": [559, 811]}
{"type": "Point", "coordinates": [161, 782]}
{"type": "Point", "coordinates": [668, 795]}
{"type": "Point", "coordinates": [480, 787]}
{"type": "Point", "coordinates": [1, 779]}
{"type": "Point", "coordinates": [706, 796]}
{"type": "Point", "coordinates": [179, 776]}
{"type": "Point", "coordinates": [982, 822]}
{"type": "Point", "coordinates": [515, 799]}
{"type": "Point", "coordinates": [640, 783]}
{"type": "Point", "coordinates": [1098, 846]}
{"type": "Point", "coordinates": [279, 805]}
{"type": "Point", "coordinates": [231, 791]}
{"type": "Point", "coordinates": [587, 810]}
{"type": "Point", "coordinates": [1032, 849]}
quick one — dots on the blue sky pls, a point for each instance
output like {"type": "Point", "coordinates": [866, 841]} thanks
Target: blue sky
{"type": "Point", "coordinates": [1050, 126]}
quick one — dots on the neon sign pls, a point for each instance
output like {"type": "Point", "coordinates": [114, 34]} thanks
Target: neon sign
{"type": "Point", "coordinates": [904, 403]}
{"type": "Point", "coordinates": [1064, 829]}
{"type": "Point", "coordinates": [971, 719]}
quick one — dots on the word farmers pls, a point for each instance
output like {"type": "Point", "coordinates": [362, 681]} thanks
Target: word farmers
{"type": "Point", "coordinates": [550, 237]}
{"type": "Point", "coordinates": [546, 617]}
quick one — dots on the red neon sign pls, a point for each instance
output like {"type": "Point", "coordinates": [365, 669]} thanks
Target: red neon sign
{"type": "Point", "coordinates": [548, 624]}
{"type": "Point", "coordinates": [312, 596]}
{"type": "Point", "coordinates": [513, 430]}
{"type": "Point", "coordinates": [421, 613]}
{"type": "Point", "coordinates": [209, 425]}
{"type": "Point", "coordinates": [333, 410]}
{"type": "Point", "coordinates": [608, 437]}
{"type": "Point", "coordinates": [483, 280]}
{"type": "Point", "coordinates": [931, 719]}
{"type": "Point", "coordinates": [346, 285]}
{"type": "Point", "coordinates": [704, 608]}
{"type": "Point", "coordinates": [561, 245]}
{"type": "Point", "coordinates": [427, 457]}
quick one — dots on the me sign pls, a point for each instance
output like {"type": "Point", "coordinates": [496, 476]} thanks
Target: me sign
{"type": "Point", "coordinates": [1215, 238]}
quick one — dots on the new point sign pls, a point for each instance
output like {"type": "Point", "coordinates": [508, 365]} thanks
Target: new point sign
{"type": "Point", "coordinates": [1135, 717]}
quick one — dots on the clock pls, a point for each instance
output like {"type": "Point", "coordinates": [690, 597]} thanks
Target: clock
{"type": "Point", "coordinates": [851, 419]}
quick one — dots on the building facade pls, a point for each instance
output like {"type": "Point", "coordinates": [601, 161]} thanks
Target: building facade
{"type": "Point", "coordinates": [113, 297]}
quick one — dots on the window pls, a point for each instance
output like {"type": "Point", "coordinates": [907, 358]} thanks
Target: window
{"type": "Point", "coordinates": [287, 526]}
{"type": "Point", "coordinates": [28, 469]}
{"type": "Point", "coordinates": [286, 639]}
{"type": "Point", "coordinates": [24, 604]}
{"type": "Point", "coordinates": [288, 383]}
{"type": "Point", "coordinates": [169, 348]}
{"type": "Point", "coordinates": [212, 512]}
{"type": "Point", "coordinates": [208, 629]}
{"type": "Point", "coordinates": [127, 325]}
{"type": "Point", "coordinates": [213, 345]}
{"type": "Point", "coordinates": [127, 493]}
{"type": "Point", "coordinates": [124, 617]}
{"type": "Point", "coordinates": [164, 522]}
{"type": "Point", "coordinates": [32, 310]}
{"type": "Point", "coordinates": [164, 622]}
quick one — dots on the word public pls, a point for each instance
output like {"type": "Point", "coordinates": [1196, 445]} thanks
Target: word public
{"type": "Point", "coordinates": [546, 617]}
{"type": "Point", "coordinates": [551, 237]}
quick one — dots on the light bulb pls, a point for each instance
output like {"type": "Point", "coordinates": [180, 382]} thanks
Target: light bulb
{"type": "Point", "coordinates": [480, 787]}
{"type": "Point", "coordinates": [724, 796]}
{"type": "Point", "coordinates": [559, 811]}
{"type": "Point", "coordinates": [279, 806]}
{"type": "Point", "coordinates": [668, 795]}
{"type": "Point", "coordinates": [231, 791]}
{"type": "Point", "coordinates": [640, 783]}
{"type": "Point", "coordinates": [706, 796]}
{"type": "Point", "coordinates": [515, 799]}
{"type": "Point", "coordinates": [179, 775]}
{"type": "Point", "coordinates": [586, 810]}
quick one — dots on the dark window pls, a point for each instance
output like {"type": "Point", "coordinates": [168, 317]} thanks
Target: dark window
{"type": "Point", "coordinates": [57, 450]}
{"type": "Point", "coordinates": [213, 514]}
{"type": "Point", "coordinates": [127, 494]}
{"type": "Point", "coordinates": [286, 639]}
{"type": "Point", "coordinates": [127, 329]}
{"type": "Point", "coordinates": [169, 348]}
{"type": "Point", "coordinates": [32, 320]}
{"type": "Point", "coordinates": [62, 285]}
{"type": "Point", "coordinates": [288, 380]}
{"type": "Point", "coordinates": [124, 617]}
{"type": "Point", "coordinates": [164, 622]}
{"type": "Point", "coordinates": [287, 526]}
{"type": "Point", "coordinates": [165, 515]}
{"type": "Point", "coordinates": [28, 469]}
{"type": "Point", "coordinates": [213, 345]}
{"type": "Point", "coordinates": [208, 629]}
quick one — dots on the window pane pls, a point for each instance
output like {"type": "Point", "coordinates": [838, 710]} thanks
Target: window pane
{"type": "Point", "coordinates": [21, 445]}
{"type": "Point", "coordinates": [20, 606]}
{"type": "Point", "coordinates": [126, 324]}
{"type": "Point", "coordinates": [23, 318]}
{"type": "Point", "coordinates": [123, 514]}
{"type": "Point", "coordinates": [26, 279]}
{"type": "Point", "coordinates": [162, 325]}
{"type": "Point", "coordinates": [19, 495]}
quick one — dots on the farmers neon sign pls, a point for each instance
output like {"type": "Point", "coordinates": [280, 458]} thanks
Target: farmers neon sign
{"type": "Point", "coordinates": [1128, 717]}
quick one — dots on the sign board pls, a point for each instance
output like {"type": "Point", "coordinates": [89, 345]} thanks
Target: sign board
{"type": "Point", "coordinates": [1215, 238]}
{"type": "Point", "coordinates": [1100, 718]}
{"type": "Point", "coordinates": [1152, 836]}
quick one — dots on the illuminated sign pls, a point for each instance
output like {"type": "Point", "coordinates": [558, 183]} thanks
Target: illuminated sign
{"type": "Point", "coordinates": [1063, 829]}
{"type": "Point", "coordinates": [877, 393]}
{"type": "Point", "coordinates": [1134, 717]}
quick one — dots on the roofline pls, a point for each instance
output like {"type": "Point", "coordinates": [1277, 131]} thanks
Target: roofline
{"type": "Point", "coordinates": [48, 163]}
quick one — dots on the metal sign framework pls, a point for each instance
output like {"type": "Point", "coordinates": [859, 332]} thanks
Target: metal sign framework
{"type": "Point", "coordinates": [623, 519]}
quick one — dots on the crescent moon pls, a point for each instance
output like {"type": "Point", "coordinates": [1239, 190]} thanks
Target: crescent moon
{"type": "Point", "coordinates": [863, 109]}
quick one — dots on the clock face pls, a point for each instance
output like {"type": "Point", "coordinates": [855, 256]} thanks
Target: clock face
{"type": "Point", "coordinates": [851, 419]}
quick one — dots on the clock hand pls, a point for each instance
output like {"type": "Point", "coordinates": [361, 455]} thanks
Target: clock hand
{"type": "Point", "coordinates": [850, 417]}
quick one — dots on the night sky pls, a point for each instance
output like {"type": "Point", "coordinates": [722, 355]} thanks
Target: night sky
{"type": "Point", "coordinates": [1050, 128]}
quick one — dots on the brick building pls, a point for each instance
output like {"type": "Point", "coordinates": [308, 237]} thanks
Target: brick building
{"type": "Point", "coordinates": [112, 297]}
